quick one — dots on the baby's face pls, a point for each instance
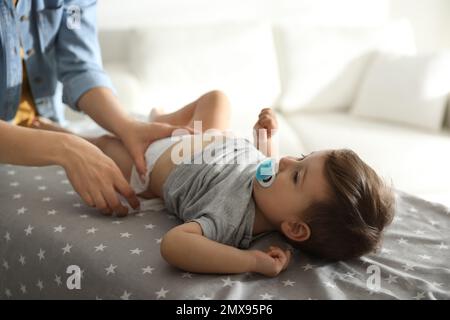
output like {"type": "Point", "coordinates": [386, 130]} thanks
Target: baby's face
{"type": "Point", "coordinates": [299, 182]}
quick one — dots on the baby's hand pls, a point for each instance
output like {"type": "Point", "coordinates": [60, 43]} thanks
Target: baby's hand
{"type": "Point", "coordinates": [266, 120]}
{"type": "Point", "coordinates": [272, 262]}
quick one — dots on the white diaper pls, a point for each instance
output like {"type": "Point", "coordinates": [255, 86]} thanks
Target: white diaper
{"type": "Point", "coordinates": [154, 151]}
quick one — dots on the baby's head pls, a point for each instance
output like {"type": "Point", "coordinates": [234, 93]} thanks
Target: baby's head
{"type": "Point", "coordinates": [330, 204]}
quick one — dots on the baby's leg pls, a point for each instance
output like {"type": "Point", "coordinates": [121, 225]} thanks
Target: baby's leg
{"type": "Point", "coordinates": [212, 109]}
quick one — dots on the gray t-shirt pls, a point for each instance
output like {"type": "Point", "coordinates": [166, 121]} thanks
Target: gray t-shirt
{"type": "Point", "coordinates": [217, 194]}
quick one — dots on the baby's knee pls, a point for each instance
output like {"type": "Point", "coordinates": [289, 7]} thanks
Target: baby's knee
{"type": "Point", "coordinates": [216, 95]}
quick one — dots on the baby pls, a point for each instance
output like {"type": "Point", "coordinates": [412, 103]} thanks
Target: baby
{"type": "Point", "coordinates": [328, 203]}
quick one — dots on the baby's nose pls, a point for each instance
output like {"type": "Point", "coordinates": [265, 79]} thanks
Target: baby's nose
{"type": "Point", "coordinates": [284, 163]}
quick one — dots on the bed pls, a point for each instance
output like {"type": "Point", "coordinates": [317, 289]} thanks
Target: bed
{"type": "Point", "coordinates": [45, 228]}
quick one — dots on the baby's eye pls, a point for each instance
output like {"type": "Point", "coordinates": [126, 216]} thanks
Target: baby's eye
{"type": "Point", "coordinates": [267, 179]}
{"type": "Point", "coordinates": [302, 157]}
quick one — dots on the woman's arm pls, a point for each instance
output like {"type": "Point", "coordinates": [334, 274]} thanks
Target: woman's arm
{"type": "Point", "coordinates": [186, 248]}
{"type": "Point", "coordinates": [92, 174]}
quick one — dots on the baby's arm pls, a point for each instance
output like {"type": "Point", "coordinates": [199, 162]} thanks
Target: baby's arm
{"type": "Point", "coordinates": [186, 248]}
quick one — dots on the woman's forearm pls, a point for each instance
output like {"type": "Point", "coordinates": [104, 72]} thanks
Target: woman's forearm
{"type": "Point", "coordinates": [196, 253]}
{"type": "Point", "coordinates": [31, 147]}
{"type": "Point", "coordinates": [104, 108]}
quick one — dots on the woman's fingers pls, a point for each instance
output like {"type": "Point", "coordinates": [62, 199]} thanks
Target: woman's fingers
{"type": "Point", "coordinates": [125, 190]}
{"type": "Point", "coordinates": [100, 203]}
{"type": "Point", "coordinates": [109, 194]}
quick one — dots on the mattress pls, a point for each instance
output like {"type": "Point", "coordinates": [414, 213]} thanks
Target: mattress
{"type": "Point", "coordinates": [48, 237]}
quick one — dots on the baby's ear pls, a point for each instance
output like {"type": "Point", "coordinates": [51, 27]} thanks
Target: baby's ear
{"type": "Point", "coordinates": [296, 230]}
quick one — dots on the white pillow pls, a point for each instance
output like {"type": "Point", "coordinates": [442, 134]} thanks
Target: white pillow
{"type": "Point", "coordinates": [178, 63]}
{"type": "Point", "coordinates": [406, 89]}
{"type": "Point", "coordinates": [321, 66]}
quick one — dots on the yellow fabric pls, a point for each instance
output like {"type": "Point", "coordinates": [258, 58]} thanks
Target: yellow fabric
{"type": "Point", "coordinates": [26, 112]}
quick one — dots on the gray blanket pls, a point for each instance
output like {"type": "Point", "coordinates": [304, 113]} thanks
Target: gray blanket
{"type": "Point", "coordinates": [45, 228]}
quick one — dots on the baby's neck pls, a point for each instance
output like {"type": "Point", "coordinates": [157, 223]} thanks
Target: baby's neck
{"type": "Point", "coordinates": [260, 223]}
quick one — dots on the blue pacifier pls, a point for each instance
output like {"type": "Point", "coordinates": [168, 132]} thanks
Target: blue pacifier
{"type": "Point", "coordinates": [266, 172]}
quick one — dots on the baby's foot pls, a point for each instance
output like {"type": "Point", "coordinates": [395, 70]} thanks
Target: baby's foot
{"type": "Point", "coordinates": [155, 114]}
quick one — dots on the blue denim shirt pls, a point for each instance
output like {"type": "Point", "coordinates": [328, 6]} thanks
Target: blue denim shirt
{"type": "Point", "coordinates": [59, 38]}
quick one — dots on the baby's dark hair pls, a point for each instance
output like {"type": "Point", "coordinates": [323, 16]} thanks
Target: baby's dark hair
{"type": "Point", "coordinates": [350, 223]}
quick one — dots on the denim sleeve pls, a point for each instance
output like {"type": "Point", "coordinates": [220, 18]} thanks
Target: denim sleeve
{"type": "Point", "coordinates": [78, 54]}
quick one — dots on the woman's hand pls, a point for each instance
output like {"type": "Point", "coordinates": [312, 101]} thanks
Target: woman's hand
{"type": "Point", "coordinates": [272, 262]}
{"type": "Point", "coordinates": [96, 177]}
{"type": "Point", "coordinates": [137, 136]}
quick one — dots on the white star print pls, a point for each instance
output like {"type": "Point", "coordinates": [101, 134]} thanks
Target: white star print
{"type": "Point", "coordinates": [28, 230]}
{"type": "Point", "coordinates": [419, 296]}
{"type": "Point", "coordinates": [77, 205]}
{"type": "Point", "coordinates": [22, 260]}
{"type": "Point", "coordinates": [424, 257]}
{"type": "Point", "coordinates": [203, 297]}
{"type": "Point", "coordinates": [117, 222]}
{"type": "Point", "coordinates": [51, 212]}
{"type": "Point", "coordinates": [7, 237]}
{"type": "Point", "coordinates": [91, 230]}
{"type": "Point", "coordinates": [266, 296]}
{"type": "Point", "coordinates": [41, 188]}
{"type": "Point", "coordinates": [11, 172]}
{"type": "Point", "coordinates": [40, 285]}
{"type": "Point", "coordinates": [392, 279]}
{"type": "Point", "coordinates": [21, 210]}
{"type": "Point", "coordinates": [65, 181]}
{"type": "Point", "coordinates": [437, 284]}
{"type": "Point", "coordinates": [8, 293]}
{"type": "Point", "coordinates": [412, 209]}
{"type": "Point", "coordinates": [349, 275]}
{"type": "Point", "coordinates": [147, 269]}
{"type": "Point", "coordinates": [136, 251]}
{"type": "Point", "coordinates": [419, 232]}
{"type": "Point", "coordinates": [60, 172]}
{"type": "Point", "coordinates": [17, 196]}
{"type": "Point", "coordinates": [402, 241]}
{"type": "Point", "coordinates": [288, 283]}
{"type": "Point", "coordinates": [161, 293]}
{"type": "Point", "coordinates": [443, 246]}
{"type": "Point", "coordinates": [38, 178]}
{"type": "Point", "coordinates": [149, 226]}
{"type": "Point", "coordinates": [187, 275]}
{"type": "Point", "coordinates": [330, 285]}
{"type": "Point", "coordinates": [386, 250]}
{"type": "Point", "coordinates": [158, 240]}
{"type": "Point", "coordinates": [433, 222]}
{"type": "Point", "coordinates": [140, 215]}
{"type": "Point", "coordinates": [307, 267]}
{"type": "Point", "coordinates": [6, 264]}
{"type": "Point", "coordinates": [14, 184]}
{"type": "Point", "coordinates": [126, 295]}
{"type": "Point", "coordinates": [408, 267]}
{"type": "Point", "coordinates": [110, 269]}
{"type": "Point", "coordinates": [100, 247]}
{"type": "Point", "coordinates": [58, 280]}
{"type": "Point", "coordinates": [41, 254]}
{"type": "Point", "coordinates": [84, 216]}
{"type": "Point", "coordinates": [59, 229]}
{"type": "Point", "coordinates": [227, 282]}
{"type": "Point", "coordinates": [67, 248]}
{"type": "Point", "coordinates": [46, 199]}
{"type": "Point", "coordinates": [23, 289]}
{"type": "Point", "coordinates": [125, 235]}
{"type": "Point", "coordinates": [71, 192]}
